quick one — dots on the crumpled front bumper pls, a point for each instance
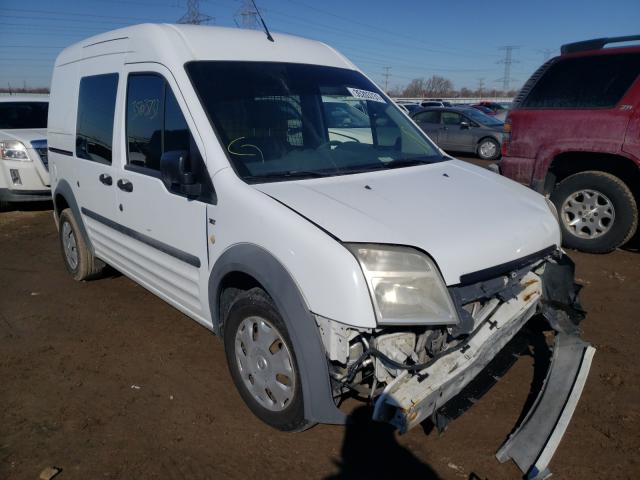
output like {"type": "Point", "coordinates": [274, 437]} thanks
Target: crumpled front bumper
{"type": "Point", "coordinates": [410, 399]}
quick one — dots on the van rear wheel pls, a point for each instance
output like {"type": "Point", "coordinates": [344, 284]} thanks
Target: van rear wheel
{"type": "Point", "coordinates": [77, 257]}
{"type": "Point", "coordinates": [262, 362]}
{"type": "Point", "coordinates": [598, 212]}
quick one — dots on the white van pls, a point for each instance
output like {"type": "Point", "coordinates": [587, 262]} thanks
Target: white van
{"type": "Point", "coordinates": [198, 161]}
{"type": "Point", "coordinates": [24, 174]}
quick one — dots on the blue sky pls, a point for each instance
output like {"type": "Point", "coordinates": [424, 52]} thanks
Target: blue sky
{"type": "Point", "coordinates": [456, 39]}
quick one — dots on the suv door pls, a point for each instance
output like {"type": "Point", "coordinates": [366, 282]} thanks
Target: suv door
{"type": "Point", "coordinates": [429, 122]}
{"type": "Point", "coordinates": [165, 231]}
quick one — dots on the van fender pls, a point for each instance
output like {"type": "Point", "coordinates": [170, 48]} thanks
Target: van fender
{"type": "Point", "coordinates": [255, 261]}
{"type": "Point", "coordinates": [64, 189]}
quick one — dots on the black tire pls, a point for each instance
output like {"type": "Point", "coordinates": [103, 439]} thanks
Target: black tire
{"type": "Point", "coordinates": [256, 303]}
{"type": "Point", "coordinates": [625, 218]}
{"type": "Point", "coordinates": [4, 205]}
{"type": "Point", "coordinates": [488, 141]}
{"type": "Point", "coordinates": [87, 266]}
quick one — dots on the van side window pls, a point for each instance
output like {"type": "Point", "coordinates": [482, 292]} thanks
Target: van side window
{"type": "Point", "coordinates": [96, 108]}
{"type": "Point", "coordinates": [154, 124]}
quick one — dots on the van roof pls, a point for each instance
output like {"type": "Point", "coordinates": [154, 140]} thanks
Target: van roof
{"type": "Point", "coordinates": [178, 43]}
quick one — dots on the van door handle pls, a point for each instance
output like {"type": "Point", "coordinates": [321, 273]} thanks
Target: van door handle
{"type": "Point", "coordinates": [125, 185]}
{"type": "Point", "coordinates": [106, 179]}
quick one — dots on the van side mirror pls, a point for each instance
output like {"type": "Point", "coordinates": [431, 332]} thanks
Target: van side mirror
{"type": "Point", "coordinates": [176, 175]}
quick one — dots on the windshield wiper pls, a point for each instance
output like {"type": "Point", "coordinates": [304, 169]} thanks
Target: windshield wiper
{"type": "Point", "coordinates": [407, 162]}
{"type": "Point", "coordinates": [289, 174]}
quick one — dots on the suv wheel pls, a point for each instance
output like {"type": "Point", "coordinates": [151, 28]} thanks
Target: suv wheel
{"type": "Point", "coordinates": [598, 212]}
{"type": "Point", "coordinates": [78, 259]}
{"type": "Point", "coordinates": [488, 149]}
{"type": "Point", "coordinates": [262, 362]}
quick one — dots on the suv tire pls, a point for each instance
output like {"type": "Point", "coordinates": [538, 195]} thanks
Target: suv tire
{"type": "Point", "coordinates": [262, 362]}
{"type": "Point", "coordinates": [77, 257]}
{"type": "Point", "coordinates": [601, 207]}
{"type": "Point", "coordinates": [488, 149]}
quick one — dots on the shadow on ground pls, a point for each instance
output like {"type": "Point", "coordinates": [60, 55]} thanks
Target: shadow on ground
{"type": "Point", "coordinates": [370, 450]}
{"type": "Point", "coordinates": [27, 207]}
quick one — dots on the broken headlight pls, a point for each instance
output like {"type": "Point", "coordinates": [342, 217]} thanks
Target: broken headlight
{"type": "Point", "coordinates": [405, 285]}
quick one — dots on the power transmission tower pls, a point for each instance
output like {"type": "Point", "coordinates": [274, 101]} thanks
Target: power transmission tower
{"type": "Point", "coordinates": [248, 16]}
{"type": "Point", "coordinates": [386, 76]}
{"type": "Point", "coordinates": [546, 52]}
{"type": "Point", "coordinates": [194, 16]}
{"type": "Point", "coordinates": [481, 86]}
{"type": "Point", "coordinates": [507, 61]}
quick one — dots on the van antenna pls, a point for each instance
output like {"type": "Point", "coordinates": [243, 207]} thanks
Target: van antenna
{"type": "Point", "coordinates": [266, 30]}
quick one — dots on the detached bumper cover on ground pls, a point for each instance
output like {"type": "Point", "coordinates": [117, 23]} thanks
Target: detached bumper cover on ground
{"type": "Point", "coordinates": [535, 441]}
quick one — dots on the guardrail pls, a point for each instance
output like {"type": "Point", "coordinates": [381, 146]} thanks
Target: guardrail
{"type": "Point", "coordinates": [453, 100]}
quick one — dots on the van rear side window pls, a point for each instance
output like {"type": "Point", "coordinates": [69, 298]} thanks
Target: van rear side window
{"type": "Point", "coordinates": [96, 108]}
{"type": "Point", "coordinates": [585, 82]}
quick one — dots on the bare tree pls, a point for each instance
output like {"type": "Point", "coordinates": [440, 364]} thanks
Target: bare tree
{"type": "Point", "coordinates": [437, 86]}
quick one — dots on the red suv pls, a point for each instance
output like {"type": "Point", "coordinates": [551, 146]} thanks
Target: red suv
{"type": "Point", "coordinates": [574, 134]}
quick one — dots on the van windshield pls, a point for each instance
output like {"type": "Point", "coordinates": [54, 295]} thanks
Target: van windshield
{"type": "Point", "coordinates": [16, 115]}
{"type": "Point", "coordinates": [283, 121]}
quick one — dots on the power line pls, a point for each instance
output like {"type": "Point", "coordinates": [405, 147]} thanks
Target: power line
{"type": "Point", "coordinates": [507, 61]}
{"type": "Point", "coordinates": [194, 16]}
{"type": "Point", "coordinates": [247, 15]}
{"type": "Point", "coordinates": [546, 52]}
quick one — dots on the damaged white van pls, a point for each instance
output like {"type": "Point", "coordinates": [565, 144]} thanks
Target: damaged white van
{"type": "Point", "coordinates": [332, 256]}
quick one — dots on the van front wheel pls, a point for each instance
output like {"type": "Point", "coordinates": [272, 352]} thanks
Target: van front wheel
{"type": "Point", "coordinates": [262, 362]}
{"type": "Point", "coordinates": [78, 259]}
{"type": "Point", "coordinates": [597, 210]}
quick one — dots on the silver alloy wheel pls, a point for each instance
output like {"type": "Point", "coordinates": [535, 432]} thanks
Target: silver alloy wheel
{"type": "Point", "coordinates": [588, 214]}
{"type": "Point", "coordinates": [488, 149]}
{"type": "Point", "coordinates": [265, 363]}
{"type": "Point", "coordinates": [70, 246]}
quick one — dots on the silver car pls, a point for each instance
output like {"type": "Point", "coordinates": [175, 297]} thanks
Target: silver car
{"type": "Point", "coordinates": [462, 129]}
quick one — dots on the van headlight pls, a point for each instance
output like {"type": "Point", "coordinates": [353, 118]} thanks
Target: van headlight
{"type": "Point", "coordinates": [405, 285]}
{"type": "Point", "coordinates": [13, 150]}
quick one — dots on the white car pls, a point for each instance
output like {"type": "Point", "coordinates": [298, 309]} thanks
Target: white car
{"type": "Point", "coordinates": [199, 161]}
{"type": "Point", "coordinates": [24, 174]}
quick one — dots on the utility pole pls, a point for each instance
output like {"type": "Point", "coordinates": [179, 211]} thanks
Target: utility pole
{"type": "Point", "coordinates": [194, 16]}
{"type": "Point", "coordinates": [481, 87]}
{"type": "Point", "coordinates": [386, 76]}
{"type": "Point", "coordinates": [507, 61]}
{"type": "Point", "coordinates": [248, 16]}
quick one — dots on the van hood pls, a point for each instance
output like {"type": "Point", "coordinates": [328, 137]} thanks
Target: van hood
{"type": "Point", "coordinates": [466, 217]}
{"type": "Point", "coordinates": [24, 135]}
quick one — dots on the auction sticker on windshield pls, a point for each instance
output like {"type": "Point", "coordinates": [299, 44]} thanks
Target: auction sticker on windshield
{"type": "Point", "coordinates": [366, 95]}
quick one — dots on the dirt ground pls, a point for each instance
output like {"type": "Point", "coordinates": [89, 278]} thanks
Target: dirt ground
{"type": "Point", "coordinates": [106, 381]}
